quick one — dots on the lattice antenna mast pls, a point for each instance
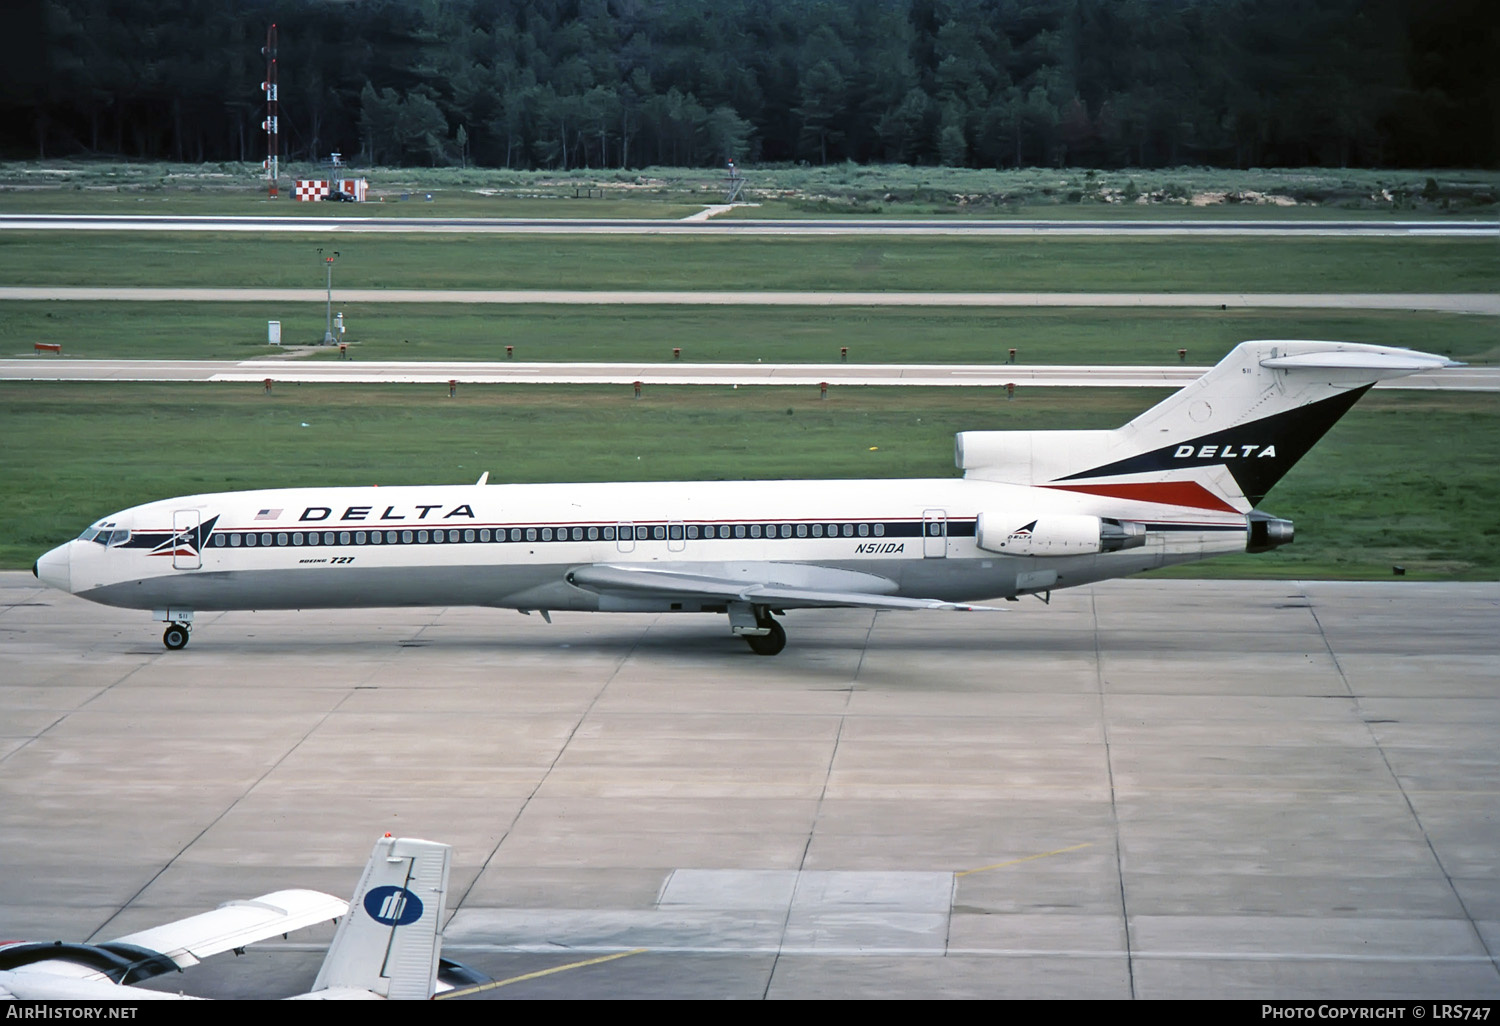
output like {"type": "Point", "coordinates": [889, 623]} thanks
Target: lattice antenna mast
{"type": "Point", "coordinates": [273, 140]}
{"type": "Point", "coordinates": [734, 184]}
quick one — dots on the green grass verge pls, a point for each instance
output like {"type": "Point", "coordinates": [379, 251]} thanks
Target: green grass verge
{"type": "Point", "coordinates": [882, 264]}
{"type": "Point", "coordinates": [1408, 478]}
{"type": "Point", "coordinates": [885, 190]}
{"type": "Point", "coordinates": [707, 334]}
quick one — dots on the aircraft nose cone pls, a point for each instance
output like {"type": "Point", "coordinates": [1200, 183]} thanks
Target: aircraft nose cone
{"type": "Point", "coordinates": [54, 568]}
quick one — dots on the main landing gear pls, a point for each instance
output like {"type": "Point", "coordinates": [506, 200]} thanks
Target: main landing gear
{"type": "Point", "coordinates": [770, 643]}
{"type": "Point", "coordinates": [176, 635]}
{"type": "Point", "coordinates": [758, 627]}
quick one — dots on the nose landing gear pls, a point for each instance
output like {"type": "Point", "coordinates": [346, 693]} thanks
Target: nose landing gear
{"type": "Point", "coordinates": [176, 635]}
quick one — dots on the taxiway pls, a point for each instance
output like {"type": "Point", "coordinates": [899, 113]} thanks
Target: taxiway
{"type": "Point", "coordinates": [1157, 789]}
{"type": "Point", "coordinates": [337, 220]}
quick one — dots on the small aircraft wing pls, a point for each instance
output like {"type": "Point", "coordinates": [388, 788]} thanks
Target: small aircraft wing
{"type": "Point", "coordinates": [754, 586]}
{"type": "Point", "coordinates": [237, 923]}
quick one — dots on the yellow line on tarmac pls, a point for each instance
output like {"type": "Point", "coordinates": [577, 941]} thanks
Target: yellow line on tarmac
{"type": "Point", "coordinates": [1028, 858]}
{"type": "Point", "coordinates": [465, 992]}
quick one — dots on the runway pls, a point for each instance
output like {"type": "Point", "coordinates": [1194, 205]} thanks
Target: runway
{"type": "Point", "coordinates": [355, 371]}
{"type": "Point", "coordinates": [1438, 302]}
{"type": "Point", "coordinates": [345, 221]}
{"type": "Point", "coordinates": [1153, 789]}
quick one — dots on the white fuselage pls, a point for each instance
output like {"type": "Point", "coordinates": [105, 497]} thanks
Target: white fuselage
{"type": "Point", "coordinates": [512, 546]}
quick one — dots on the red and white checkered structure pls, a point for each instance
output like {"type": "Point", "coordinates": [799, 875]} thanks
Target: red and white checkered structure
{"type": "Point", "coordinates": [313, 190]}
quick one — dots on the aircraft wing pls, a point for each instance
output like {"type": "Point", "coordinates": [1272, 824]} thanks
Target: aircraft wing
{"type": "Point", "coordinates": [755, 584]}
{"type": "Point", "coordinates": [237, 923]}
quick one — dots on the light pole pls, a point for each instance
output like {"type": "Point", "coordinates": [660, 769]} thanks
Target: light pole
{"type": "Point", "coordinates": [328, 339]}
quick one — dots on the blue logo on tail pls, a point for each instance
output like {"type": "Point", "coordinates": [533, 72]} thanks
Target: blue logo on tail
{"type": "Point", "coordinates": [393, 906]}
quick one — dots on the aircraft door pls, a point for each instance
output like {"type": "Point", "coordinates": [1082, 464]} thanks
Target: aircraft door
{"type": "Point", "coordinates": [934, 533]}
{"type": "Point", "coordinates": [187, 539]}
{"type": "Point", "coordinates": [625, 537]}
{"type": "Point", "coordinates": [676, 536]}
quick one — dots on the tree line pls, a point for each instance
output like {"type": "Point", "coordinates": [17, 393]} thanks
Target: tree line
{"type": "Point", "coordinates": [628, 83]}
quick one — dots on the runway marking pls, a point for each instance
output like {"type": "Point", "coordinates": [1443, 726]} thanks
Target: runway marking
{"type": "Point", "coordinates": [1028, 858]}
{"type": "Point", "coordinates": [481, 988]}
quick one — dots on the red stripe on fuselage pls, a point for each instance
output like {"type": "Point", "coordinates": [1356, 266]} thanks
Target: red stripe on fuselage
{"type": "Point", "coordinates": [1168, 493]}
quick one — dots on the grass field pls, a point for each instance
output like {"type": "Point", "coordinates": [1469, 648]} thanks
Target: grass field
{"type": "Point", "coordinates": [1406, 478]}
{"type": "Point", "coordinates": [778, 191]}
{"type": "Point", "coordinates": [706, 334]}
{"type": "Point", "coordinates": [881, 264]}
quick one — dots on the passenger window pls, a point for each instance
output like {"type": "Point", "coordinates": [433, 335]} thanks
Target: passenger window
{"type": "Point", "coordinates": [578, 534]}
{"type": "Point", "coordinates": [531, 534]}
{"type": "Point", "coordinates": [692, 531]}
{"type": "Point", "coordinates": [755, 530]}
{"type": "Point", "coordinates": [327, 537]}
{"type": "Point", "coordinates": [546, 534]}
{"type": "Point", "coordinates": [281, 539]}
{"type": "Point", "coordinates": [343, 537]}
{"type": "Point", "coordinates": [880, 530]}
{"type": "Point", "coordinates": [609, 534]}
{"type": "Point", "coordinates": [739, 530]}
{"type": "Point", "coordinates": [817, 530]}
{"type": "Point", "coordinates": [786, 530]}
{"type": "Point", "coordinates": [658, 533]}
{"type": "Point", "coordinates": [848, 530]}
{"type": "Point", "coordinates": [864, 530]}
{"type": "Point", "coordinates": [359, 537]}
{"type": "Point", "coordinates": [234, 540]}
{"type": "Point", "coordinates": [250, 540]}
{"type": "Point", "coordinates": [801, 530]}
{"type": "Point", "coordinates": [405, 537]}
{"type": "Point", "coordinates": [469, 535]}
{"type": "Point", "coordinates": [674, 532]}
{"type": "Point", "coordinates": [515, 534]}
{"type": "Point", "coordinates": [593, 534]}
{"type": "Point", "coordinates": [421, 536]}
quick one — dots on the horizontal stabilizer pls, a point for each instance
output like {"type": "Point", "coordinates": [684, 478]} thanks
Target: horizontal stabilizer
{"type": "Point", "coordinates": [1386, 364]}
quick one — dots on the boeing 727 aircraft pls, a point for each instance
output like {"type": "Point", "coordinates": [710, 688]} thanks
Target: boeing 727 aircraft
{"type": "Point", "coordinates": [1034, 511]}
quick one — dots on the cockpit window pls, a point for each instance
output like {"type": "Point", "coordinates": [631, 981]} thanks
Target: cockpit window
{"type": "Point", "coordinates": [105, 534]}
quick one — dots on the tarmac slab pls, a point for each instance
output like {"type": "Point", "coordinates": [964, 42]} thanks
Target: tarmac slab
{"type": "Point", "coordinates": [1158, 789]}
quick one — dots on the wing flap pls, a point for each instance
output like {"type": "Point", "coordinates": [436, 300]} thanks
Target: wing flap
{"type": "Point", "coordinates": [237, 923]}
{"type": "Point", "coordinates": [638, 581]}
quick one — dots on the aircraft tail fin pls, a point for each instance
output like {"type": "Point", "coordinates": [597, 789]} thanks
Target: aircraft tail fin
{"type": "Point", "coordinates": [390, 943]}
{"type": "Point", "coordinates": [1218, 444]}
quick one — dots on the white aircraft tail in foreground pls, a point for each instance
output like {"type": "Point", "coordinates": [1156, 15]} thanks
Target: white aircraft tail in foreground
{"type": "Point", "coordinates": [390, 943]}
{"type": "Point", "coordinates": [387, 944]}
{"type": "Point", "coordinates": [1034, 511]}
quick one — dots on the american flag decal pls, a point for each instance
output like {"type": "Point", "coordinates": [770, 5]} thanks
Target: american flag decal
{"type": "Point", "coordinates": [268, 514]}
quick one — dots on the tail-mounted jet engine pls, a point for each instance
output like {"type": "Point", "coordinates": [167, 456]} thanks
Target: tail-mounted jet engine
{"type": "Point", "coordinates": [1060, 535]}
{"type": "Point", "coordinates": [1267, 532]}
